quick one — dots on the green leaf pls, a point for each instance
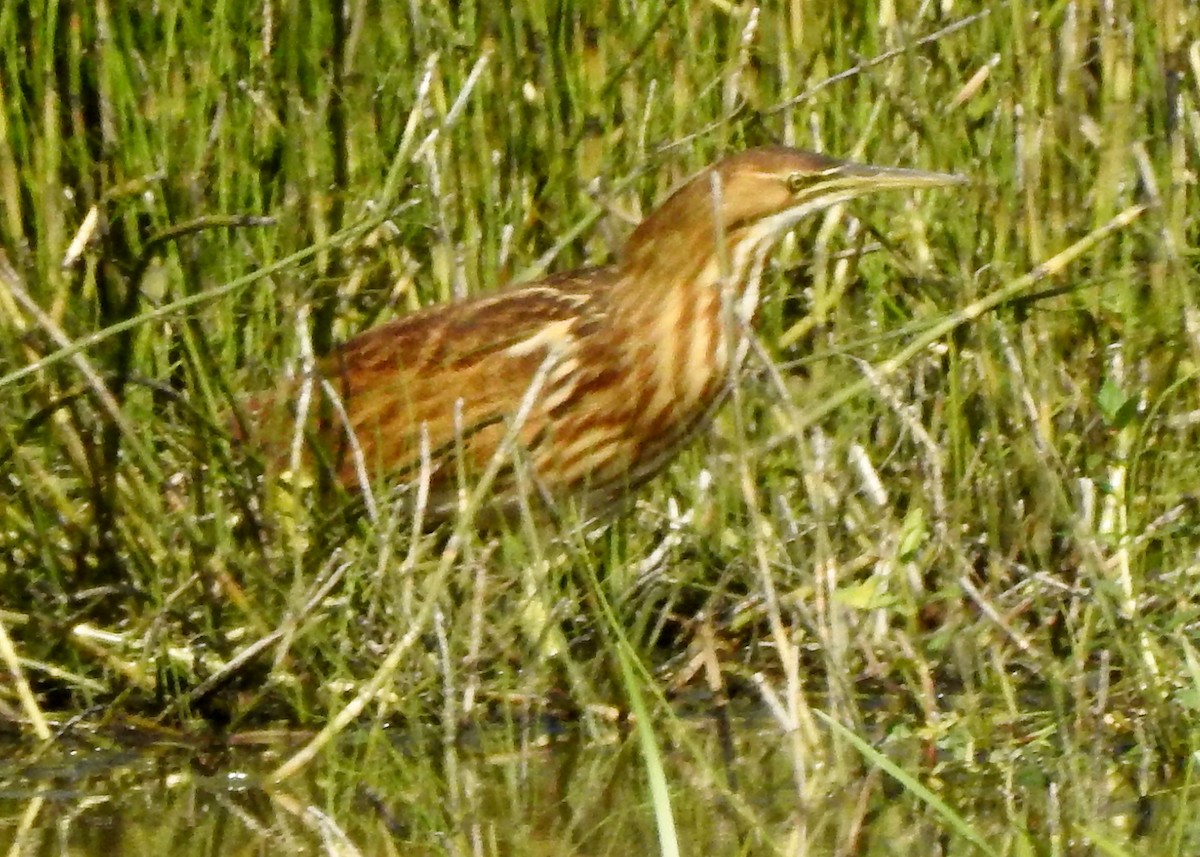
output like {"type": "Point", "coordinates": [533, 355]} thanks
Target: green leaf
{"type": "Point", "coordinates": [1116, 408]}
{"type": "Point", "coordinates": [865, 595]}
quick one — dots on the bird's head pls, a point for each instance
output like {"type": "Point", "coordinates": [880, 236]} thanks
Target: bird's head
{"type": "Point", "coordinates": [749, 200]}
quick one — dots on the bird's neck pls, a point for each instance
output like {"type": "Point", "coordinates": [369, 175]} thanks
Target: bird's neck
{"type": "Point", "coordinates": [682, 334]}
{"type": "Point", "coordinates": [681, 286]}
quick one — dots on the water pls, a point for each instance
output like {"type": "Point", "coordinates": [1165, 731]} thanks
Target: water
{"type": "Point", "coordinates": [390, 792]}
{"type": "Point", "coordinates": [523, 789]}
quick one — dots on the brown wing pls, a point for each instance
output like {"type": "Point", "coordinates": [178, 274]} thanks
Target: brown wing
{"type": "Point", "coordinates": [410, 373]}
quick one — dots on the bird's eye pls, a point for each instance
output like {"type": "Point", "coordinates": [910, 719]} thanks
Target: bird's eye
{"type": "Point", "coordinates": [796, 182]}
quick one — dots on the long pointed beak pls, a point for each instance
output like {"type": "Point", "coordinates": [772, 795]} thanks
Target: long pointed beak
{"type": "Point", "coordinates": [847, 180]}
{"type": "Point", "coordinates": [871, 177]}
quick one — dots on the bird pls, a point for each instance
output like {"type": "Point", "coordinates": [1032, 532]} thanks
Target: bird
{"type": "Point", "coordinates": [629, 360]}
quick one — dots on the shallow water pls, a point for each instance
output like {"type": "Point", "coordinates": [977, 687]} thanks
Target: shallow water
{"type": "Point", "coordinates": [390, 794]}
{"type": "Point", "coordinates": [524, 791]}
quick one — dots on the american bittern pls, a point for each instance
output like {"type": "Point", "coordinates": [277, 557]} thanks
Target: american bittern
{"type": "Point", "coordinates": [633, 356]}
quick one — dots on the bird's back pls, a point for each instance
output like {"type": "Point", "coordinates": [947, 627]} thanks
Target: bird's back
{"type": "Point", "coordinates": [458, 373]}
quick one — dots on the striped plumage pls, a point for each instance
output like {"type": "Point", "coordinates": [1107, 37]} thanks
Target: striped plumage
{"type": "Point", "coordinates": [635, 355]}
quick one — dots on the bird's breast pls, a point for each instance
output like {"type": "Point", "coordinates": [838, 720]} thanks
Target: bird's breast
{"type": "Point", "coordinates": [630, 393]}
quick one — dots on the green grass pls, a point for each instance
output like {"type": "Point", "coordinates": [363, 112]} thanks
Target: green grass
{"type": "Point", "coordinates": [952, 506]}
